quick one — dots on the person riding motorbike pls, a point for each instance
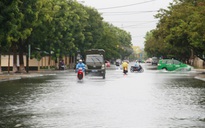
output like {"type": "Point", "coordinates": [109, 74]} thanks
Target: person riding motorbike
{"type": "Point", "coordinates": [80, 65]}
{"type": "Point", "coordinates": [125, 67]}
{"type": "Point", "coordinates": [80, 69]}
{"type": "Point", "coordinates": [61, 65]}
{"type": "Point", "coordinates": [137, 64]}
{"type": "Point", "coordinates": [136, 67]}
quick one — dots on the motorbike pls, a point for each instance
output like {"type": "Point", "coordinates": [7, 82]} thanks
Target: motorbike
{"type": "Point", "coordinates": [136, 69]}
{"type": "Point", "coordinates": [80, 74]}
{"type": "Point", "coordinates": [62, 65]}
{"type": "Point", "coordinates": [125, 71]}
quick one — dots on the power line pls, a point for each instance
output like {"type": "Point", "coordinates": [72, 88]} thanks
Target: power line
{"type": "Point", "coordinates": [132, 21]}
{"type": "Point", "coordinates": [127, 13]}
{"type": "Point", "coordinates": [132, 12]}
{"type": "Point", "coordinates": [138, 24]}
{"type": "Point", "coordinates": [138, 27]}
{"type": "Point", "coordinates": [126, 5]}
{"type": "Point", "coordinates": [137, 36]}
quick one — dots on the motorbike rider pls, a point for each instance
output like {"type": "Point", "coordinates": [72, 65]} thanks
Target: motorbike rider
{"type": "Point", "coordinates": [137, 64]}
{"type": "Point", "coordinates": [125, 66]}
{"type": "Point", "coordinates": [80, 65]}
{"type": "Point", "coordinates": [61, 65]}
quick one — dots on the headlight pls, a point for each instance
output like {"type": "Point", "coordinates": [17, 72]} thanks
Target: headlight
{"type": "Point", "coordinates": [103, 66]}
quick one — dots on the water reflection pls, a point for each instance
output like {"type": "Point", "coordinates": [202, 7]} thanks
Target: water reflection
{"type": "Point", "coordinates": [150, 99]}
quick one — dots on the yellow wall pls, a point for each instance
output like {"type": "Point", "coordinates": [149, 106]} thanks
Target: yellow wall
{"type": "Point", "coordinates": [32, 62]}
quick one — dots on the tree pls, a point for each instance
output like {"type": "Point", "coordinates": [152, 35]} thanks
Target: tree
{"type": "Point", "coordinates": [109, 41]}
{"type": "Point", "coordinates": [93, 30]}
{"type": "Point", "coordinates": [179, 31]}
{"type": "Point", "coordinates": [57, 28]}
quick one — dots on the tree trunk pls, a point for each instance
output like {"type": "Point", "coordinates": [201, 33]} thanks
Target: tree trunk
{"type": "Point", "coordinates": [21, 62]}
{"type": "Point", "coordinates": [39, 65]}
{"type": "Point", "coordinates": [0, 64]}
{"type": "Point", "coordinates": [21, 56]}
{"type": "Point", "coordinates": [9, 63]}
{"type": "Point", "coordinates": [49, 61]}
{"type": "Point", "coordinates": [15, 69]}
{"type": "Point", "coordinates": [56, 63]}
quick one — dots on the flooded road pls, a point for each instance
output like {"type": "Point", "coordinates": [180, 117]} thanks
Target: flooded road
{"type": "Point", "coordinates": [152, 99]}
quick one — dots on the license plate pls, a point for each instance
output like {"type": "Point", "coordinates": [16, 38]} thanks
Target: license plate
{"type": "Point", "coordinates": [94, 70]}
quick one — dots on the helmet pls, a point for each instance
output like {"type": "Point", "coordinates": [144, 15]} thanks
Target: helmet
{"type": "Point", "coordinates": [80, 61]}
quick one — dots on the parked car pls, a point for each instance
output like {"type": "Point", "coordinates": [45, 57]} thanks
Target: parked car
{"type": "Point", "coordinates": [155, 60]}
{"type": "Point", "coordinates": [149, 60]}
{"type": "Point", "coordinates": [117, 63]}
{"type": "Point", "coordinates": [140, 61]}
{"type": "Point", "coordinates": [107, 63]}
{"type": "Point", "coordinates": [172, 64]}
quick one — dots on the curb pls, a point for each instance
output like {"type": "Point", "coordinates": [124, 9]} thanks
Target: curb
{"type": "Point", "coordinates": [199, 78]}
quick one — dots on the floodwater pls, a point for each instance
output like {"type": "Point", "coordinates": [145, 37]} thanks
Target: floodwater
{"type": "Point", "coordinates": [152, 99]}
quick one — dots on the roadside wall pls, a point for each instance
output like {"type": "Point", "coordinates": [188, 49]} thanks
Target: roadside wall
{"type": "Point", "coordinates": [35, 63]}
{"type": "Point", "coordinates": [197, 62]}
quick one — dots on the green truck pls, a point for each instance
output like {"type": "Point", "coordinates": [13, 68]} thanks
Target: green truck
{"type": "Point", "coordinates": [95, 62]}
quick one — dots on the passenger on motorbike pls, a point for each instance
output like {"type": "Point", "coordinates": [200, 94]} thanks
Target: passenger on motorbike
{"type": "Point", "coordinates": [80, 65]}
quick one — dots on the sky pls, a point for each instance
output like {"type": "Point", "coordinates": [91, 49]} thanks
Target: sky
{"type": "Point", "coordinates": [133, 16]}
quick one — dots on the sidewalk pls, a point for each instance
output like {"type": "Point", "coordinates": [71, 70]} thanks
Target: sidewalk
{"type": "Point", "coordinates": [5, 76]}
{"type": "Point", "coordinates": [201, 75]}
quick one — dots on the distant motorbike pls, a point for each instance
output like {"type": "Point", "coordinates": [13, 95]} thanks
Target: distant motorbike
{"type": "Point", "coordinates": [62, 67]}
{"type": "Point", "coordinates": [80, 74]}
{"type": "Point", "coordinates": [136, 69]}
{"type": "Point", "coordinates": [125, 71]}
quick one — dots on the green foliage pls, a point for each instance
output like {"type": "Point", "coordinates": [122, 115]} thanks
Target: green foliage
{"type": "Point", "coordinates": [58, 28]}
{"type": "Point", "coordinates": [180, 30]}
